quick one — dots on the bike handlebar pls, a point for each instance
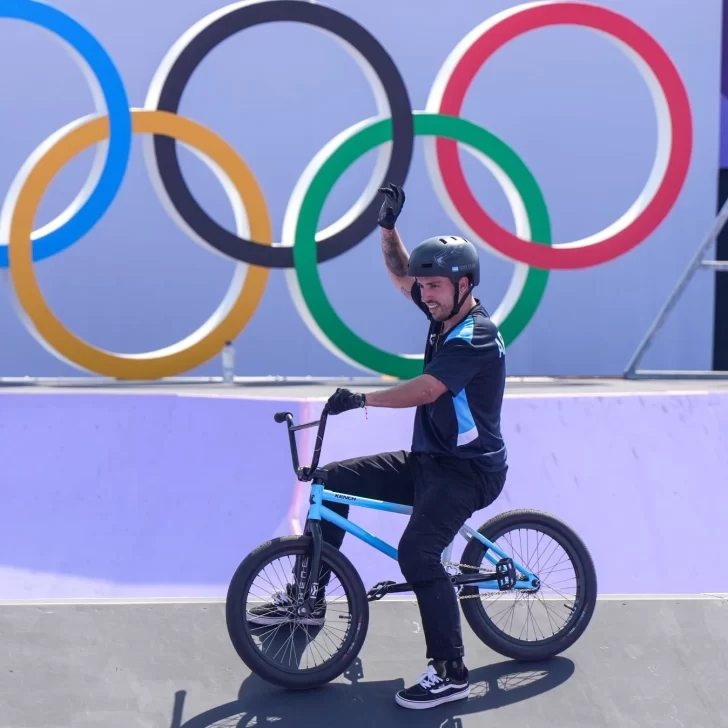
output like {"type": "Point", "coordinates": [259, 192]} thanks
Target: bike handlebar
{"type": "Point", "coordinates": [304, 473]}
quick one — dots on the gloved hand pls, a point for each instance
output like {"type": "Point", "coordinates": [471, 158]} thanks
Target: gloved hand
{"type": "Point", "coordinates": [391, 207]}
{"type": "Point", "coordinates": [342, 400]}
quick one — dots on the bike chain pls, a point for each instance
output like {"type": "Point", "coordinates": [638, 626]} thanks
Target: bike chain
{"type": "Point", "coordinates": [460, 587]}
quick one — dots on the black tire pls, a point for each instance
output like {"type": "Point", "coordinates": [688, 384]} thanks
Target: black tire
{"type": "Point", "coordinates": [240, 632]}
{"type": "Point", "coordinates": [586, 592]}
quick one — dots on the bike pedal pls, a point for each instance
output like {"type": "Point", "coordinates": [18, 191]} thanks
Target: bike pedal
{"type": "Point", "coordinates": [379, 590]}
{"type": "Point", "coordinates": [505, 574]}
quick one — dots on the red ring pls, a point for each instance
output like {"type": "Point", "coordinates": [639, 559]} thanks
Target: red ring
{"type": "Point", "coordinates": [597, 18]}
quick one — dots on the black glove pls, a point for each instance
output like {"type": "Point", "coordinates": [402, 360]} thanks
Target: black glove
{"type": "Point", "coordinates": [342, 400]}
{"type": "Point", "coordinates": [391, 207]}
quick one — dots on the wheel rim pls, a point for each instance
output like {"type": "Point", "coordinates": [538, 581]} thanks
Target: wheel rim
{"type": "Point", "coordinates": [297, 647]}
{"type": "Point", "coordinates": [549, 613]}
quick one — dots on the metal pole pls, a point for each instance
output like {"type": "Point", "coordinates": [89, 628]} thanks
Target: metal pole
{"type": "Point", "coordinates": [696, 262]}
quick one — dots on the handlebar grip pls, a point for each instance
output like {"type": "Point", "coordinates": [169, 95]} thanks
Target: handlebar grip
{"type": "Point", "coordinates": [281, 416]}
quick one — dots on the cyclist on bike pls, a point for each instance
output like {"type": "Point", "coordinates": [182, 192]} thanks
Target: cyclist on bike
{"type": "Point", "coordinates": [457, 462]}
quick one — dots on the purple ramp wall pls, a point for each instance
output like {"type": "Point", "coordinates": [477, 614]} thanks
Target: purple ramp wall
{"type": "Point", "coordinates": [161, 495]}
{"type": "Point", "coordinates": [128, 495]}
{"type": "Point", "coordinates": [641, 478]}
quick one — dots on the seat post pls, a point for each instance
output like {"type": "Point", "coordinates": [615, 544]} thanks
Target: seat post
{"type": "Point", "coordinates": [447, 553]}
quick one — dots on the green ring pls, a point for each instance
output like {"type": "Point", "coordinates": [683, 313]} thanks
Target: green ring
{"type": "Point", "coordinates": [403, 366]}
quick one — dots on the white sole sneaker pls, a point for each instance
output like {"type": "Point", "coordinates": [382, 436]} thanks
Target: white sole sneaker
{"type": "Point", "coordinates": [434, 702]}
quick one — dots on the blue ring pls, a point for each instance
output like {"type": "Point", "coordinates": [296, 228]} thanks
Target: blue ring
{"type": "Point", "coordinates": [120, 125]}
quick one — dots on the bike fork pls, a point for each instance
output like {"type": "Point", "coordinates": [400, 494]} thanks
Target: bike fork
{"type": "Point", "coordinates": [315, 563]}
{"type": "Point", "coordinates": [309, 565]}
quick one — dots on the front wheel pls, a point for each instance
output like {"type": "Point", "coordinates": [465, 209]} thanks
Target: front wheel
{"type": "Point", "coordinates": [531, 625]}
{"type": "Point", "coordinates": [268, 632]}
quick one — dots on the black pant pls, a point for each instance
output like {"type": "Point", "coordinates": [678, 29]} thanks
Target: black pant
{"type": "Point", "coordinates": [444, 493]}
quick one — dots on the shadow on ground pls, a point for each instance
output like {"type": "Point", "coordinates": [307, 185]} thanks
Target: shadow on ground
{"type": "Point", "coordinates": [360, 703]}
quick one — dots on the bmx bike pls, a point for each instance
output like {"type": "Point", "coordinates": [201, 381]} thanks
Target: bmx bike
{"type": "Point", "coordinates": [276, 633]}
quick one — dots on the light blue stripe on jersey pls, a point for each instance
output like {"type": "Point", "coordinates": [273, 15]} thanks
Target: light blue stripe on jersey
{"type": "Point", "coordinates": [467, 431]}
{"type": "Point", "coordinates": [464, 330]}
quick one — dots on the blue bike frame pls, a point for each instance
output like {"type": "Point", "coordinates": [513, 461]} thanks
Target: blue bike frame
{"type": "Point", "coordinates": [318, 512]}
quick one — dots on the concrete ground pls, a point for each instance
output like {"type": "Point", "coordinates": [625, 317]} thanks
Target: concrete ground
{"type": "Point", "coordinates": [643, 663]}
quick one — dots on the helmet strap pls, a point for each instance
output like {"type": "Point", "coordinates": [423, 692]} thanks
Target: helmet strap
{"type": "Point", "coordinates": [457, 304]}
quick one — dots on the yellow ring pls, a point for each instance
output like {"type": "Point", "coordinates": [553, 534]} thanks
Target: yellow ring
{"type": "Point", "coordinates": [135, 366]}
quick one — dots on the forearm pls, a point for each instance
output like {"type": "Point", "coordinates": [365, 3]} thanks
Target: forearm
{"type": "Point", "coordinates": [397, 260]}
{"type": "Point", "coordinates": [413, 393]}
{"type": "Point", "coordinates": [395, 254]}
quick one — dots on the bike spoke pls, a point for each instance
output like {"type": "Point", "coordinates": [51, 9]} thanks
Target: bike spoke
{"type": "Point", "coordinates": [533, 616]}
{"type": "Point", "coordinates": [292, 644]}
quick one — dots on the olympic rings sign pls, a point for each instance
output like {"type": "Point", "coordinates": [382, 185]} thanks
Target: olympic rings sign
{"type": "Point", "coordinates": [303, 245]}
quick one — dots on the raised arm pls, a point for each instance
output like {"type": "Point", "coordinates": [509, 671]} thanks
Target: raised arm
{"type": "Point", "coordinates": [396, 258]}
{"type": "Point", "coordinates": [395, 254]}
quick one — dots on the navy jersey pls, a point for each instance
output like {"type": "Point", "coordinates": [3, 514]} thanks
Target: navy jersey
{"type": "Point", "coordinates": [469, 360]}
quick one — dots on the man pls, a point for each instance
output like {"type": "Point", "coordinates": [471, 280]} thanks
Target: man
{"type": "Point", "coordinates": [457, 463]}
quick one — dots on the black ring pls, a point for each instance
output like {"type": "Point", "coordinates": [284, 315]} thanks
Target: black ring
{"type": "Point", "coordinates": [247, 16]}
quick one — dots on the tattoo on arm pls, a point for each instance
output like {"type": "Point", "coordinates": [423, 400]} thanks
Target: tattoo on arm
{"type": "Point", "coordinates": [395, 254]}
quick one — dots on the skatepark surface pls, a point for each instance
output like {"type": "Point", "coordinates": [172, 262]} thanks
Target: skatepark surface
{"type": "Point", "coordinates": [642, 664]}
{"type": "Point", "coordinates": [124, 517]}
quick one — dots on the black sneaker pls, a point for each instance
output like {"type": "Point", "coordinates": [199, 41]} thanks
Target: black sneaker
{"type": "Point", "coordinates": [281, 609]}
{"type": "Point", "coordinates": [442, 683]}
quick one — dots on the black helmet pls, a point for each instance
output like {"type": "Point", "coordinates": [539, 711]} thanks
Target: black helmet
{"type": "Point", "coordinates": [445, 255]}
{"type": "Point", "coordinates": [450, 256]}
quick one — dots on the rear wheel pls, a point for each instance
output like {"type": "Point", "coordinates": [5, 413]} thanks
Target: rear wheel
{"type": "Point", "coordinates": [531, 625]}
{"type": "Point", "coordinates": [271, 639]}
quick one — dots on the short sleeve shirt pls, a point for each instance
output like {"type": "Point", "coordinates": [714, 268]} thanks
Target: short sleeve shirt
{"type": "Point", "coordinates": [465, 421]}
